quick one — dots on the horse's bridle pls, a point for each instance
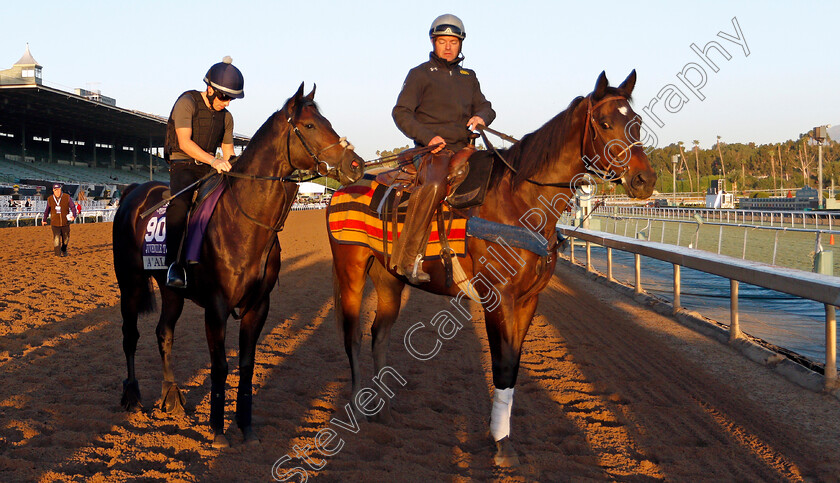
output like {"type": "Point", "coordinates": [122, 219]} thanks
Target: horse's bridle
{"type": "Point", "coordinates": [342, 141]}
{"type": "Point", "coordinates": [605, 174]}
{"type": "Point", "coordinates": [316, 173]}
{"type": "Point", "coordinates": [589, 167]}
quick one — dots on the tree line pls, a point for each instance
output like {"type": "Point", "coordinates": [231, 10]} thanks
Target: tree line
{"type": "Point", "coordinates": [787, 165]}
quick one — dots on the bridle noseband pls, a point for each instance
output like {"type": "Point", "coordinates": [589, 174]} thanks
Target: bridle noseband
{"type": "Point", "coordinates": [590, 167]}
{"type": "Point", "coordinates": [316, 173]}
{"type": "Point", "coordinates": [605, 174]}
{"type": "Point", "coordinates": [342, 141]}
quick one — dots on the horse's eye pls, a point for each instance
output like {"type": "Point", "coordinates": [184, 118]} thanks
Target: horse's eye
{"type": "Point", "coordinates": [309, 126]}
{"type": "Point", "coordinates": [605, 125]}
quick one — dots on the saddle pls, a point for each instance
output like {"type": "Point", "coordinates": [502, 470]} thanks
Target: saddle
{"type": "Point", "coordinates": [400, 183]}
{"type": "Point", "coordinates": [467, 181]}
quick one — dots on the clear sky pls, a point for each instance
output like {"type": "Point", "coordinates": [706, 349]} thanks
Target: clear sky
{"type": "Point", "coordinates": [531, 57]}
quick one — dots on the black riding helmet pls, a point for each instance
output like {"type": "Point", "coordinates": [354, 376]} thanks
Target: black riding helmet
{"type": "Point", "coordinates": [226, 79]}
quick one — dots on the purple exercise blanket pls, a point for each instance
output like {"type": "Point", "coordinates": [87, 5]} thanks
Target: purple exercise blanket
{"type": "Point", "coordinates": [198, 223]}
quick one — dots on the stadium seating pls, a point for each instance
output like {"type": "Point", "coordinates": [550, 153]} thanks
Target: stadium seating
{"type": "Point", "coordinates": [13, 171]}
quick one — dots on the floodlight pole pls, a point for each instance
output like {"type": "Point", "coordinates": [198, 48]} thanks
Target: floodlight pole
{"type": "Point", "coordinates": [820, 181]}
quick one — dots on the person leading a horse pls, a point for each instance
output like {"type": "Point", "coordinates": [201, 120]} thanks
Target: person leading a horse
{"type": "Point", "coordinates": [440, 104]}
{"type": "Point", "coordinates": [198, 125]}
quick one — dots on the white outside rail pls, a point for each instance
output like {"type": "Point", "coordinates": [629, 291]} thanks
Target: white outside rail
{"type": "Point", "coordinates": [811, 286]}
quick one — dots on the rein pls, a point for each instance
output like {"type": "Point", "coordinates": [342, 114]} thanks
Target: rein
{"type": "Point", "coordinates": [590, 168]}
{"type": "Point", "coordinates": [342, 141]}
{"type": "Point", "coordinates": [408, 154]}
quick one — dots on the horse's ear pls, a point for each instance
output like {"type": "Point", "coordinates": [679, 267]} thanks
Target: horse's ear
{"type": "Point", "coordinates": [311, 95]}
{"type": "Point", "coordinates": [601, 86]}
{"type": "Point", "coordinates": [293, 101]}
{"type": "Point", "coordinates": [629, 83]}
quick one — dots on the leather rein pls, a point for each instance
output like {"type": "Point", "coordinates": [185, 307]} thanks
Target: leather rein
{"type": "Point", "coordinates": [316, 173]}
{"type": "Point", "coordinates": [590, 167]}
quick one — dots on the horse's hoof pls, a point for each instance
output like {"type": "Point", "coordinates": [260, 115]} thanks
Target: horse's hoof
{"type": "Point", "coordinates": [172, 400]}
{"type": "Point", "coordinates": [249, 436]}
{"type": "Point", "coordinates": [506, 456]}
{"type": "Point", "coordinates": [131, 395]}
{"type": "Point", "coordinates": [220, 442]}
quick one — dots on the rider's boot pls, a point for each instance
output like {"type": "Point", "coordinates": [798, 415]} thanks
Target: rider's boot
{"type": "Point", "coordinates": [177, 218]}
{"type": "Point", "coordinates": [408, 253]}
{"type": "Point", "coordinates": [176, 276]}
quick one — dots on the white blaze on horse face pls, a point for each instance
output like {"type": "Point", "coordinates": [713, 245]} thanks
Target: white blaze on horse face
{"type": "Point", "coordinates": [623, 110]}
{"type": "Point", "coordinates": [500, 414]}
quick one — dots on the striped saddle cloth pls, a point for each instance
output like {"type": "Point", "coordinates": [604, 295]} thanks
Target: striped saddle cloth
{"type": "Point", "coordinates": [362, 214]}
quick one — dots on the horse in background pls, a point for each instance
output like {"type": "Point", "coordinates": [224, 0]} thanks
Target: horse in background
{"type": "Point", "coordinates": [531, 184]}
{"type": "Point", "coordinates": [239, 257]}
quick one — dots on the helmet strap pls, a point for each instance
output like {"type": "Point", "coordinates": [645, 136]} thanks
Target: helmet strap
{"type": "Point", "coordinates": [211, 98]}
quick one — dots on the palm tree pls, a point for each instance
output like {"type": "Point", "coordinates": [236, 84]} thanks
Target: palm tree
{"type": "Point", "coordinates": [697, 161]}
{"type": "Point", "coordinates": [722, 166]}
{"type": "Point", "coordinates": [687, 169]}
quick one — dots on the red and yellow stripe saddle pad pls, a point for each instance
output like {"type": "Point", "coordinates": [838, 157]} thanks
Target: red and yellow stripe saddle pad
{"type": "Point", "coordinates": [353, 219]}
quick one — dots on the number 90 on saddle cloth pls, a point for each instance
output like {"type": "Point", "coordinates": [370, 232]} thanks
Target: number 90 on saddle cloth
{"type": "Point", "coordinates": [154, 239]}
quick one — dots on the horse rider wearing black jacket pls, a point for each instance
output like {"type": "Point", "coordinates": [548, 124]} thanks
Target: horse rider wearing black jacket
{"type": "Point", "coordinates": [440, 104]}
{"type": "Point", "coordinates": [198, 125]}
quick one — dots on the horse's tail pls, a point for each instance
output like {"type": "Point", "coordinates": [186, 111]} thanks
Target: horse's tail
{"type": "Point", "coordinates": [146, 302]}
{"type": "Point", "coordinates": [135, 284]}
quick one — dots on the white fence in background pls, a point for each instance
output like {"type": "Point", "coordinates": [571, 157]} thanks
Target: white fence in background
{"type": "Point", "coordinates": [23, 217]}
{"type": "Point", "coordinates": [811, 286]}
{"type": "Point", "coordinates": [792, 219]}
{"type": "Point", "coordinates": [308, 206]}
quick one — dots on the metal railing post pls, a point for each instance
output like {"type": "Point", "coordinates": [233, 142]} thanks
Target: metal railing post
{"type": "Point", "coordinates": [830, 348]}
{"type": "Point", "coordinates": [638, 267]}
{"type": "Point", "coordinates": [677, 288]}
{"type": "Point", "coordinates": [734, 324]}
{"type": "Point", "coordinates": [609, 264]}
{"type": "Point", "coordinates": [572, 250]}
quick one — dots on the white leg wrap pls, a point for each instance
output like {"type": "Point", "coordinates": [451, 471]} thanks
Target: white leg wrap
{"type": "Point", "coordinates": [500, 414]}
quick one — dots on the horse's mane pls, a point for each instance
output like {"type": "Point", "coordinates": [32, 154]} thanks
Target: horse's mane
{"type": "Point", "coordinates": [541, 147]}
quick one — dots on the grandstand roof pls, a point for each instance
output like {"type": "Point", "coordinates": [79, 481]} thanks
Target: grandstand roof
{"type": "Point", "coordinates": [40, 109]}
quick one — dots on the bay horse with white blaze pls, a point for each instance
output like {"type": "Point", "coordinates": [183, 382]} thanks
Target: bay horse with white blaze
{"type": "Point", "coordinates": [530, 185]}
{"type": "Point", "coordinates": [239, 257]}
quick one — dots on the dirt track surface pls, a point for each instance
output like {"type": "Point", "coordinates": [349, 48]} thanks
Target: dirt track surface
{"type": "Point", "coordinates": [607, 389]}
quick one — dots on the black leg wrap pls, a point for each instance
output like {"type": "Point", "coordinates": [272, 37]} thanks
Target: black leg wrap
{"type": "Point", "coordinates": [217, 410]}
{"type": "Point", "coordinates": [243, 410]}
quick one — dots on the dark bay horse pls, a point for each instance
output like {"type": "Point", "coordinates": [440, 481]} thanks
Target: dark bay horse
{"type": "Point", "coordinates": [597, 134]}
{"type": "Point", "coordinates": [240, 254]}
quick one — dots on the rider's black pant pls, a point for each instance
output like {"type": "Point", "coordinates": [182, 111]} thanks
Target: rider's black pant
{"type": "Point", "coordinates": [181, 174]}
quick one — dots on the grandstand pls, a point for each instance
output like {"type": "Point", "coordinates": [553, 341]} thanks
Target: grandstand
{"type": "Point", "coordinates": [82, 139]}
